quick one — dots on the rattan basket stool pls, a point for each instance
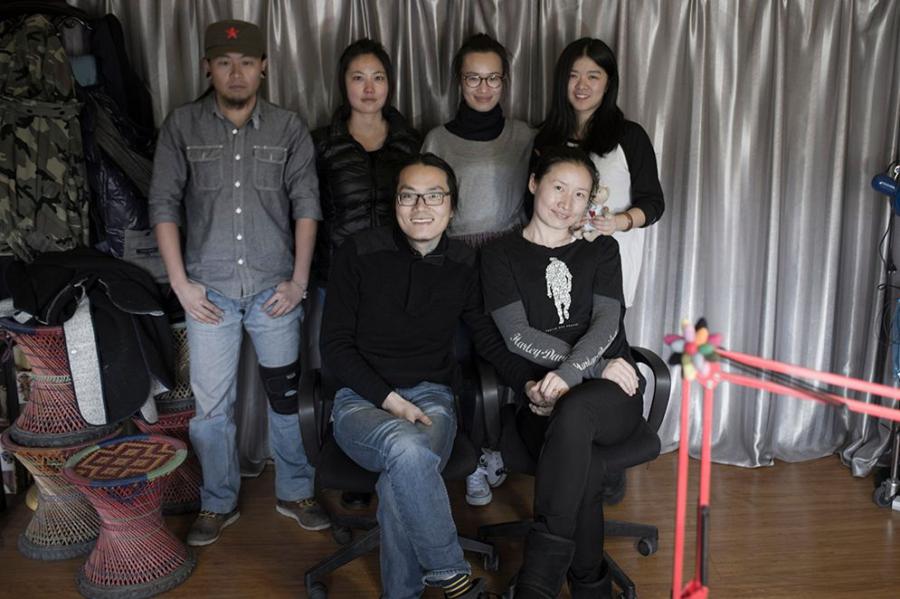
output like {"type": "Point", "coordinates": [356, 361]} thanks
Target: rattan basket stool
{"type": "Point", "coordinates": [181, 489]}
{"type": "Point", "coordinates": [135, 555]}
{"type": "Point", "coordinates": [65, 524]}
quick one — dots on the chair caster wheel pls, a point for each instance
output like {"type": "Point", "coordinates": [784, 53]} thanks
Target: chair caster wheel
{"type": "Point", "coordinates": [647, 546]}
{"type": "Point", "coordinates": [882, 497]}
{"type": "Point", "coordinates": [318, 591]}
{"type": "Point", "coordinates": [342, 535]}
{"type": "Point", "coordinates": [492, 563]}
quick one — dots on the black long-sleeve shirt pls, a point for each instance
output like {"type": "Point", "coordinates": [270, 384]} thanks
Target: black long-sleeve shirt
{"type": "Point", "coordinates": [392, 314]}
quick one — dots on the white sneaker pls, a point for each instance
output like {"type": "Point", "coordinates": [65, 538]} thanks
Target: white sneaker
{"type": "Point", "coordinates": [493, 464]}
{"type": "Point", "coordinates": [478, 491]}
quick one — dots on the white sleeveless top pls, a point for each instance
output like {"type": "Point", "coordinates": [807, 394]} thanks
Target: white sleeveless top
{"type": "Point", "coordinates": [614, 174]}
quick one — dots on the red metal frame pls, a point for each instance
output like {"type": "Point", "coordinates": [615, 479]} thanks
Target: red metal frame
{"type": "Point", "coordinates": [709, 378]}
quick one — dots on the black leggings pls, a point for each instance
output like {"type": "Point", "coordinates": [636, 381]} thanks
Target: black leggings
{"type": "Point", "coordinates": [568, 482]}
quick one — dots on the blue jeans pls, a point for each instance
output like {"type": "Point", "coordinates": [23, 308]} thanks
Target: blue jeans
{"type": "Point", "coordinates": [215, 350]}
{"type": "Point", "coordinates": [419, 544]}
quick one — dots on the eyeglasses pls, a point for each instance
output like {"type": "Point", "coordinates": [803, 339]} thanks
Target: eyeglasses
{"type": "Point", "coordinates": [431, 198]}
{"type": "Point", "coordinates": [473, 80]}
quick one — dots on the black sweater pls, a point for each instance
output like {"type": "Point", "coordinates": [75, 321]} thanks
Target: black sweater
{"type": "Point", "coordinates": [356, 188]}
{"type": "Point", "coordinates": [392, 315]}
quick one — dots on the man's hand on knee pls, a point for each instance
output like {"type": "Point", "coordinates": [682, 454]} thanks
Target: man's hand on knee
{"type": "Point", "coordinates": [401, 408]}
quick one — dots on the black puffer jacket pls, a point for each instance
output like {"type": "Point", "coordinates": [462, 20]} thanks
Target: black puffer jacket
{"type": "Point", "coordinates": [356, 188]}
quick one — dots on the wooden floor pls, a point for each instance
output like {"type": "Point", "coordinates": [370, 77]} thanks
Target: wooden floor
{"type": "Point", "coordinates": [793, 530]}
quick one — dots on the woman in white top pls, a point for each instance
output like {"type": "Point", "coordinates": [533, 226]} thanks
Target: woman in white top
{"type": "Point", "coordinates": [583, 112]}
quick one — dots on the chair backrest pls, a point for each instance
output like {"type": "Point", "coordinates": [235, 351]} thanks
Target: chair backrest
{"type": "Point", "coordinates": [662, 385]}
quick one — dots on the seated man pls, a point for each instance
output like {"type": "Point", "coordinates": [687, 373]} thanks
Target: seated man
{"type": "Point", "coordinates": [395, 299]}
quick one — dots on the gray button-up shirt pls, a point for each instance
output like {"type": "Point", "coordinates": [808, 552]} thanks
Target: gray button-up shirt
{"type": "Point", "coordinates": [236, 192]}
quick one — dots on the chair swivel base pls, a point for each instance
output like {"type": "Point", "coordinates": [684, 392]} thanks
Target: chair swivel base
{"type": "Point", "coordinates": [369, 541]}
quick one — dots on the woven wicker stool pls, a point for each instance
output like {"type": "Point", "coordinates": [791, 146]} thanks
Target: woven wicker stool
{"type": "Point", "coordinates": [50, 417]}
{"type": "Point", "coordinates": [135, 555]}
{"type": "Point", "coordinates": [181, 398]}
{"type": "Point", "coordinates": [181, 489]}
{"type": "Point", "coordinates": [64, 524]}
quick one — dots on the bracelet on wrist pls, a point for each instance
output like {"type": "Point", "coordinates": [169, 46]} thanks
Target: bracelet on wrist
{"type": "Point", "coordinates": [630, 225]}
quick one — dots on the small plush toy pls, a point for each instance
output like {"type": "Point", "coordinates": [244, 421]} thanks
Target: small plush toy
{"type": "Point", "coordinates": [588, 231]}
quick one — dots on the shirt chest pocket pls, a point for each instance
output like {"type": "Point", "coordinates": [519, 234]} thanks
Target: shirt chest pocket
{"type": "Point", "coordinates": [206, 166]}
{"type": "Point", "coordinates": [268, 167]}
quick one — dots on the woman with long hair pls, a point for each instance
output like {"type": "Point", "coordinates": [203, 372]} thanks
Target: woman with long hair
{"type": "Point", "coordinates": [358, 156]}
{"type": "Point", "coordinates": [583, 112]}
{"type": "Point", "coordinates": [360, 152]}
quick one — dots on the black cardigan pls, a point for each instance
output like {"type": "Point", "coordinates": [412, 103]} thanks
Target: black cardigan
{"type": "Point", "coordinates": [646, 192]}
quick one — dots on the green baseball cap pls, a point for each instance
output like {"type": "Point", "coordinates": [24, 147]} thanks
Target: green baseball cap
{"type": "Point", "coordinates": [223, 37]}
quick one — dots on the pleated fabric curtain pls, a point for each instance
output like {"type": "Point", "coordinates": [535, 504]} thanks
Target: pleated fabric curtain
{"type": "Point", "coordinates": [769, 119]}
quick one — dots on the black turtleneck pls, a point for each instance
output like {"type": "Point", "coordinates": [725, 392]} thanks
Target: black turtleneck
{"type": "Point", "coordinates": [476, 126]}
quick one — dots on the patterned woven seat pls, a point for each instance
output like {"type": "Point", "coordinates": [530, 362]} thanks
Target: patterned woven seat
{"type": "Point", "coordinates": [181, 489]}
{"type": "Point", "coordinates": [135, 555]}
{"type": "Point", "coordinates": [50, 417]}
{"type": "Point", "coordinates": [64, 524]}
{"type": "Point", "coordinates": [181, 398]}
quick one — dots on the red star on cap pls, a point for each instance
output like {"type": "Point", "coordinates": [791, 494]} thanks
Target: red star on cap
{"type": "Point", "coordinates": [231, 33]}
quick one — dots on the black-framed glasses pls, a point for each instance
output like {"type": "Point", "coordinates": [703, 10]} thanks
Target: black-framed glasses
{"type": "Point", "coordinates": [431, 198]}
{"type": "Point", "coordinates": [473, 80]}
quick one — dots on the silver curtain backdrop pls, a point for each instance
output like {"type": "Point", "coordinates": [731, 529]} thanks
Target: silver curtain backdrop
{"type": "Point", "coordinates": [769, 118]}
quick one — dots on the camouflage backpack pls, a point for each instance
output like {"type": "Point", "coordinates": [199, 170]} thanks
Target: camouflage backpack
{"type": "Point", "coordinates": [43, 196]}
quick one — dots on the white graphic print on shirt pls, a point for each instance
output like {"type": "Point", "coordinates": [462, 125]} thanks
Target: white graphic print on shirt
{"type": "Point", "coordinates": [559, 287]}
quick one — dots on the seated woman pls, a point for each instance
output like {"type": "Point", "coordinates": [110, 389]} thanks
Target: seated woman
{"type": "Point", "coordinates": [396, 297]}
{"type": "Point", "coordinates": [557, 301]}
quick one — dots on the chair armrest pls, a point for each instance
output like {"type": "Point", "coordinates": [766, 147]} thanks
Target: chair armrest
{"type": "Point", "coordinates": [310, 418]}
{"type": "Point", "coordinates": [663, 384]}
{"type": "Point", "coordinates": [488, 401]}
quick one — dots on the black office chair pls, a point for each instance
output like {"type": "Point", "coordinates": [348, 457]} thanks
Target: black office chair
{"type": "Point", "coordinates": [643, 446]}
{"type": "Point", "coordinates": [335, 470]}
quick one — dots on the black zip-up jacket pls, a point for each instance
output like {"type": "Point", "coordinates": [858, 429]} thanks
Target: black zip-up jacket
{"type": "Point", "coordinates": [392, 315]}
{"type": "Point", "coordinates": [356, 188]}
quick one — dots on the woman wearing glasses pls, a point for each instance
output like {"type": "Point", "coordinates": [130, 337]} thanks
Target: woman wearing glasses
{"type": "Point", "coordinates": [488, 152]}
{"type": "Point", "coordinates": [583, 112]}
{"type": "Point", "coordinates": [557, 302]}
{"type": "Point", "coordinates": [395, 300]}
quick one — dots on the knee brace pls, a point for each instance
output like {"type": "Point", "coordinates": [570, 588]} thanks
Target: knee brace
{"type": "Point", "coordinates": [281, 387]}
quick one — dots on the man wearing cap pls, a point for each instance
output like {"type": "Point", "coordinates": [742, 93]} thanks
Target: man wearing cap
{"type": "Point", "coordinates": [237, 175]}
